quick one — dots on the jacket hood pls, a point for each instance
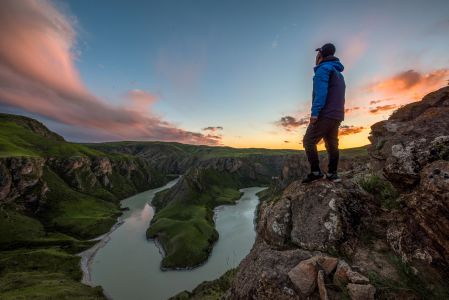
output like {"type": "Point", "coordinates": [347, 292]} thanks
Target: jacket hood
{"type": "Point", "coordinates": [332, 61]}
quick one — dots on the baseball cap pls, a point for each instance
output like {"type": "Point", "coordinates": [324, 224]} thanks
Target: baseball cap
{"type": "Point", "coordinates": [327, 50]}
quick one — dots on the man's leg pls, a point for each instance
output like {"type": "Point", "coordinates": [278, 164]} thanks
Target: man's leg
{"type": "Point", "coordinates": [331, 143]}
{"type": "Point", "coordinates": [314, 134]}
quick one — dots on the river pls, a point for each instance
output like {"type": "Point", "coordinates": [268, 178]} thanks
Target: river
{"type": "Point", "coordinates": [127, 265]}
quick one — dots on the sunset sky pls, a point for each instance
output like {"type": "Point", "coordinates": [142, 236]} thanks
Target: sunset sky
{"type": "Point", "coordinates": [235, 73]}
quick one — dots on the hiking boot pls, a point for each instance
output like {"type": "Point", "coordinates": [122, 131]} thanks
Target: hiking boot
{"type": "Point", "coordinates": [333, 177]}
{"type": "Point", "coordinates": [312, 177]}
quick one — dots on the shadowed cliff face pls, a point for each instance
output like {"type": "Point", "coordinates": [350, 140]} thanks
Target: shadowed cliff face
{"type": "Point", "coordinates": [412, 150]}
{"type": "Point", "coordinates": [107, 179]}
{"type": "Point", "coordinates": [332, 240]}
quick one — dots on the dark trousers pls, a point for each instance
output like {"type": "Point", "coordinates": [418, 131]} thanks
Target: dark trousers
{"type": "Point", "coordinates": [327, 129]}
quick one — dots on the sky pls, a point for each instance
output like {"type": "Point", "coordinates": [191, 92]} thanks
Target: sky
{"type": "Point", "coordinates": [234, 73]}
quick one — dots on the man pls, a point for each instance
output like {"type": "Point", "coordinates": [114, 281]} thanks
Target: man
{"type": "Point", "coordinates": [328, 100]}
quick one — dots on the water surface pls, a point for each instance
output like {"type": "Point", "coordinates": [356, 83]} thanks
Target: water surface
{"type": "Point", "coordinates": [127, 265]}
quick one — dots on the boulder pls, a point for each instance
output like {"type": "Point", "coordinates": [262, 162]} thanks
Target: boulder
{"type": "Point", "coordinates": [324, 214]}
{"type": "Point", "coordinates": [304, 276]}
{"type": "Point", "coordinates": [263, 273]}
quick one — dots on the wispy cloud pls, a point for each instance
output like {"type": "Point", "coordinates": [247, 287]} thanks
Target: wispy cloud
{"type": "Point", "coordinates": [351, 109]}
{"type": "Point", "coordinates": [349, 129]}
{"type": "Point", "coordinates": [38, 75]}
{"type": "Point", "coordinates": [382, 108]}
{"type": "Point", "coordinates": [290, 123]}
{"type": "Point", "coordinates": [214, 133]}
{"type": "Point", "coordinates": [213, 128]}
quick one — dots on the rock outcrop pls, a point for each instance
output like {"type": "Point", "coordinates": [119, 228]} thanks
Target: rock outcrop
{"type": "Point", "coordinates": [22, 177]}
{"type": "Point", "coordinates": [319, 216]}
{"type": "Point", "coordinates": [294, 235]}
{"type": "Point", "coordinates": [304, 234]}
{"type": "Point", "coordinates": [412, 150]}
{"type": "Point", "coordinates": [411, 138]}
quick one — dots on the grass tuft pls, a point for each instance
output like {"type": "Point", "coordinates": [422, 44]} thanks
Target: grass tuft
{"type": "Point", "coordinates": [382, 190]}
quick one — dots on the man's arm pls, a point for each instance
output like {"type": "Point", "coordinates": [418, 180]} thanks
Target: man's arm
{"type": "Point", "coordinates": [320, 87]}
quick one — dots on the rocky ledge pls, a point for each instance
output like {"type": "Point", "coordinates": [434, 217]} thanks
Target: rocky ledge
{"type": "Point", "coordinates": [340, 241]}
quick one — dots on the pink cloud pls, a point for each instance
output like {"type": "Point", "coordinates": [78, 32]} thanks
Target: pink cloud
{"type": "Point", "coordinates": [140, 100]}
{"type": "Point", "coordinates": [38, 75]}
{"type": "Point", "coordinates": [410, 84]}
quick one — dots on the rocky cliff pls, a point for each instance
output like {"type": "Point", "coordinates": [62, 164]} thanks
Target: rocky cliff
{"type": "Point", "coordinates": [108, 179]}
{"type": "Point", "coordinates": [382, 233]}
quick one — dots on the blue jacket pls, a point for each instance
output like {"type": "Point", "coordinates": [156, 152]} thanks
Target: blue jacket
{"type": "Point", "coordinates": [328, 97]}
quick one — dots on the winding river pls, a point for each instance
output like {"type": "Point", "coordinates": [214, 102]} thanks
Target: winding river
{"type": "Point", "coordinates": [127, 265]}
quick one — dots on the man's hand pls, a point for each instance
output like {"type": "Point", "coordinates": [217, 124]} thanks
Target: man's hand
{"type": "Point", "coordinates": [313, 120]}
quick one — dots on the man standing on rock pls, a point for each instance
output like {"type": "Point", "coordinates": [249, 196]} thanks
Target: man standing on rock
{"type": "Point", "coordinates": [327, 112]}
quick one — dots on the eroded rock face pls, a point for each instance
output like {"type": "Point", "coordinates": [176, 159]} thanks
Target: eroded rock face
{"type": "Point", "coordinates": [317, 216]}
{"type": "Point", "coordinates": [275, 222]}
{"type": "Point", "coordinates": [324, 213]}
{"type": "Point", "coordinates": [424, 235]}
{"type": "Point", "coordinates": [429, 204]}
{"type": "Point", "coordinates": [412, 148]}
{"type": "Point", "coordinates": [263, 274]}
{"type": "Point", "coordinates": [21, 177]}
{"type": "Point", "coordinates": [412, 137]}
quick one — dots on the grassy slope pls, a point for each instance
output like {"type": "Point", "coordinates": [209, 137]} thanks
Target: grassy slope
{"type": "Point", "coordinates": [16, 140]}
{"type": "Point", "coordinates": [75, 213]}
{"type": "Point", "coordinates": [36, 264]}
